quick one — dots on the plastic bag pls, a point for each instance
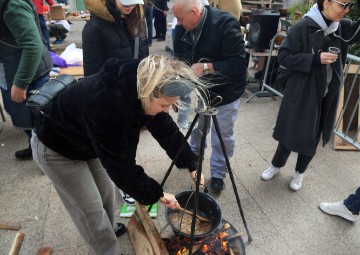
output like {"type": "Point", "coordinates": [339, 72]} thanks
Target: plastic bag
{"type": "Point", "coordinates": [73, 55]}
{"type": "Point", "coordinates": [57, 60]}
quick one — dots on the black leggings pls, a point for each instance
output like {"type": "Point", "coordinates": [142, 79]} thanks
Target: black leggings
{"type": "Point", "coordinates": [282, 154]}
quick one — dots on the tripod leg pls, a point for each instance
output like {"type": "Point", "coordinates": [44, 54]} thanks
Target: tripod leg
{"type": "Point", "coordinates": [199, 172]}
{"type": "Point", "coordinates": [218, 132]}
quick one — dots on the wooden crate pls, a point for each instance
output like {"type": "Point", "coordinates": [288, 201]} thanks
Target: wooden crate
{"type": "Point", "coordinates": [339, 143]}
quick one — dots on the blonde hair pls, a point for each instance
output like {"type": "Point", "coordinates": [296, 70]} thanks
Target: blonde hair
{"type": "Point", "coordinates": [158, 70]}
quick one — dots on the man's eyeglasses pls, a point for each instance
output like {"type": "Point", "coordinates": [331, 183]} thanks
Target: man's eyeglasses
{"type": "Point", "coordinates": [344, 5]}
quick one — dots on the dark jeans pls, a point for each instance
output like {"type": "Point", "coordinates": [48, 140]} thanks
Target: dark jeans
{"type": "Point", "coordinates": [160, 24]}
{"type": "Point", "coordinates": [44, 30]}
{"type": "Point", "coordinates": [282, 154]}
{"type": "Point", "coordinates": [149, 21]}
{"type": "Point", "coordinates": [353, 202]}
{"type": "Point", "coordinates": [35, 85]}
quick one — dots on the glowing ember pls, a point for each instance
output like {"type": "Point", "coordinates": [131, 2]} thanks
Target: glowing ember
{"type": "Point", "coordinates": [181, 251]}
{"type": "Point", "coordinates": [205, 248]}
{"type": "Point", "coordinates": [224, 244]}
{"type": "Point", "coordinates": [223, 241]}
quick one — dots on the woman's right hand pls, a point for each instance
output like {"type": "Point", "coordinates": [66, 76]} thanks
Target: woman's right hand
{"type": "Point", "coordinates": [328, 58]}
{"type": "Point", "coordinates": [169, 200]}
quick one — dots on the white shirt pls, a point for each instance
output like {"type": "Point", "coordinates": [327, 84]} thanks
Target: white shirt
{"type": "Point", "coordinates": [64, 23]}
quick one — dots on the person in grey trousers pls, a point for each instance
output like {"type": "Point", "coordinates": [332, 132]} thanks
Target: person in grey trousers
{"type": "Point", "coordinates": [87, 140]}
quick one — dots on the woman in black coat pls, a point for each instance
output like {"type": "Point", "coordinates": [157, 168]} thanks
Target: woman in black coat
{"type": "Point", "coordinates": [115, 29]}
{"type": "Point", "coordinates": [87, 141]}
{"type": "Point", "coordinates": [308, 108]}
{"type": "Point", "coordinates": [112, 31]}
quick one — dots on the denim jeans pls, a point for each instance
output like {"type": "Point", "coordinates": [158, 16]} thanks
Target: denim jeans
{"type": "Point", "coordinates": [183, 112]}
{"type": "Point", "coordinates": [353, 202]}
{"type": "Point", "coordinates": [87, 193]}
{"type": "Point", "coordinates": [44, 30]}
{"type": "Point", "coordinates": [226, 118]}
{"type": "Point", "coordinates": [20, 114]}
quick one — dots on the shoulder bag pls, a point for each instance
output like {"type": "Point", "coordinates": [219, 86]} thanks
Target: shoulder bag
{"type": "Point", "coordinates": [41, 97]}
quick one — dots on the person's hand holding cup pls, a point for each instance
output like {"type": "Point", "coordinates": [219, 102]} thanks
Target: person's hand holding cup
{"type": "Point", "coordinates": [334, 54]}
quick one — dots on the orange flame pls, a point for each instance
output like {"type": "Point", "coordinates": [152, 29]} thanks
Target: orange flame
{"type": "Point", "coordinates": [181, 251]}
{"type": "Point", "coordinates": [205, 248]}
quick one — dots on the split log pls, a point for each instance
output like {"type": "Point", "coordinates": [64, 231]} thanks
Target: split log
{"type": "Point", "coordinates": [16, 246]}
{"type": "Point", "coordinates": [16, 227]}
{"type": "Point", "coordinates": [236, 235]}
{"type": "Point", "coordinates": [44, 251]}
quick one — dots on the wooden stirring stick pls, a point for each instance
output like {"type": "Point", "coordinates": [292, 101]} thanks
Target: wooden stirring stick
{"type": "Point", "coordinates": [163, 200]}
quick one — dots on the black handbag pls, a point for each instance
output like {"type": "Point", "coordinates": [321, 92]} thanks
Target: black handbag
{"type": "Point", "coordinates": [41, 97]}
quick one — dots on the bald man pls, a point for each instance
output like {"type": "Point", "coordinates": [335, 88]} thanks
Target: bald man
{"type": "Point", "coordinates": [211, 42]}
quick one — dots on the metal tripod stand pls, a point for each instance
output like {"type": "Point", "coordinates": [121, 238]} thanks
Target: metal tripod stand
{"type": "Point", "coordinates": [208, 112]}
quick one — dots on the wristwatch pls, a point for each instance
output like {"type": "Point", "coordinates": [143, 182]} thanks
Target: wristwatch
{"type": "Point", "coordinates": [206, 69]}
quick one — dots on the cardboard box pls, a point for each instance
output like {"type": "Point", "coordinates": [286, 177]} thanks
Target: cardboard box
{"type": "Point", "coordinates": [57, 12]}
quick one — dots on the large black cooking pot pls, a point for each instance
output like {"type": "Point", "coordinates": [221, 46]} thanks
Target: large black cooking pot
{"type": "Point", "coordinates": [207, 208]}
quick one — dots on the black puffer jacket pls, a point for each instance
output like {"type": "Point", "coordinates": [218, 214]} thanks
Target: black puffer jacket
{"type": "Point", "coordinates": [101, 116]}
{"type": "Point", "coordinates": [105, 36]}
{"type": "Point", "coordinates": [221, 43]}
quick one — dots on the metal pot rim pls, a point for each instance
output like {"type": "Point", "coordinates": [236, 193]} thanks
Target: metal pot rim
{"type": "Point", "coordinates": [216, 220]}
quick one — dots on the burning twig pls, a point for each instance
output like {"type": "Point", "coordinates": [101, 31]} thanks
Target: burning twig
{"type": "Point", "coordinates": [225, 226]}
{"type": "Point", "coordinates": [195, 248]}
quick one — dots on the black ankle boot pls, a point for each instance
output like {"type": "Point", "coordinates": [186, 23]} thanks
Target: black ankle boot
{"type": "Point", "coordinates": [121, 229]}
{"type": "Point", "coordinates": [217, 184]}
{"type": "Point", "coordinates": [24, 154]}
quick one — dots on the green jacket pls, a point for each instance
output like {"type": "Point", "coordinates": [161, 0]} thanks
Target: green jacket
{"type": "Point", "coordinates": [22, 51]}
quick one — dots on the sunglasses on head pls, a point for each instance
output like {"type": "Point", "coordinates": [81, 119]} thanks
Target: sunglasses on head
{"type": "Point", "coordinates": [344, 5]}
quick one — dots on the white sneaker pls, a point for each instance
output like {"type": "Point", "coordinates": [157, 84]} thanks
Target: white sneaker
{"type": "Point", "coordinates": [126, 198]}
{"type": "Point", "coordinates": [296, 181]}
{"type": "Point", "coordinates": [338, 209]}
{"type": "Point", "coordinates": [270, 173]}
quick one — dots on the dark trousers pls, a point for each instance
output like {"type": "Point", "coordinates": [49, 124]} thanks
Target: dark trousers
{"type": "Point", "coordinates": [353, 202]}
{"type": "Point", "coordinates": [282, 154]}
{"type": "Point", "coordinates": [38, 83]}
{"type": "Point", "coordinates": [160, 24]}
{"type": "Point", "coordinates": [149, 15]}
{"type": "Point", "coordinates": [44, 30]}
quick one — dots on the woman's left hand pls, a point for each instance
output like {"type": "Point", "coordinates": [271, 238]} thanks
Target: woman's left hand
{"type": "Point", "coordinates": [193, 175]}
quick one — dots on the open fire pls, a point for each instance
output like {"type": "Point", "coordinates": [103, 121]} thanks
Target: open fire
{"type": "Point", "coordinates": [225, 240]}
